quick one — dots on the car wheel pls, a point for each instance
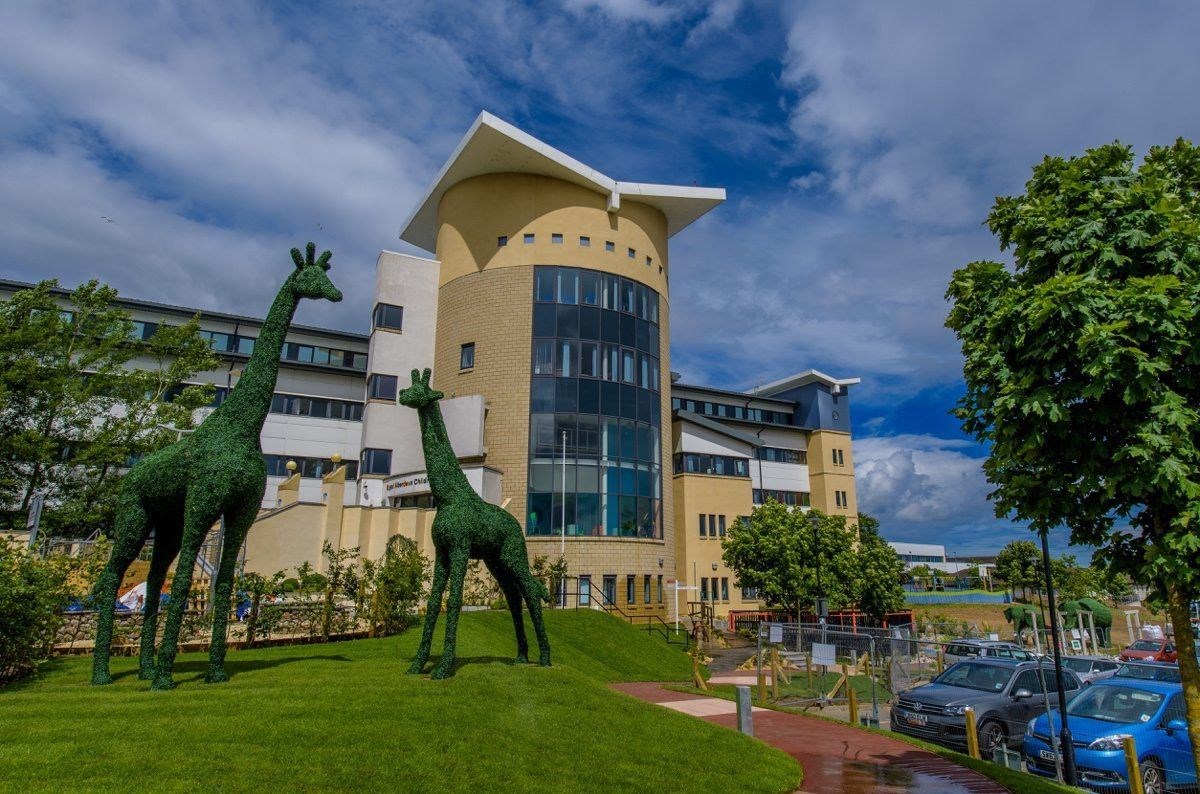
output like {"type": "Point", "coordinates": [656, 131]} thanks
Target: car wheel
{"type": "Point", "coordinates": [991, 736]}
{"type": "Point", "coordinates": [1153, 781]}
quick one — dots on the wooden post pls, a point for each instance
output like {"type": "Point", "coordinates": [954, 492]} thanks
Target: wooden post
{"type": "Point", "coordinates": [762, 684]}
{"type": "Point", "coordinates": [852, 702]}
{"type": "Point", "coordinates": [972, 733]}
{"type": "Point", "coordinates": [808, 669]}
{"type": "Point", "coordinates": [775, 674]}
{"type": "Point", "coordinates": [1132, 769]}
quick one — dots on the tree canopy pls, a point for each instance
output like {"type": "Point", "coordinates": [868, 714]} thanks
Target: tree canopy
{"type": "Point", "coordinates": [1082, 365]}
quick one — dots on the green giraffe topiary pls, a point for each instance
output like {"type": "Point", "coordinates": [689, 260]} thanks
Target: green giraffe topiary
{"type": "Point", "coordinates": [466, 528]}
{"type": "Point", "coordinates": [180, 491]}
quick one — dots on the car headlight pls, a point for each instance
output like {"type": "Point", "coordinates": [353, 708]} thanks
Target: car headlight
{"type": "Point", "coordinates": [1114, 742]}
{"type": "Point", "coordinates": [955, 711]}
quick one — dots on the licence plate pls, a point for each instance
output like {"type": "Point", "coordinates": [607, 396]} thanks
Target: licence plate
{"type": "Point", "coordinates": [916, 719]}
{"type": "Point", "coordinates": [1048, 755]}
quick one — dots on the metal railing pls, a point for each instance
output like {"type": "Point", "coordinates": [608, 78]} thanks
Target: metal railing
{"type": "Point", "coordinates": [596, 598]}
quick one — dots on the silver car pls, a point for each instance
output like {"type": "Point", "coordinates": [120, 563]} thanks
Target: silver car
{"type": "Point", "coordinates": [1091, 668]}
{"type": "Point", "coordinates": [967, 649]}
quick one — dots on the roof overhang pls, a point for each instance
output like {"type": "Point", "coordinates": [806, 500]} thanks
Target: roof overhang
{"type": "Point", "coordinates": [493, 146]}
{"type": "Point", "coordinates": [718, 427]}
{"type": "Point", "coordinates": [803, 379]}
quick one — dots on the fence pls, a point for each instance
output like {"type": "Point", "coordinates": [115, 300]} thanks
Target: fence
{"type": "Point", "coordinates": [576, 593]}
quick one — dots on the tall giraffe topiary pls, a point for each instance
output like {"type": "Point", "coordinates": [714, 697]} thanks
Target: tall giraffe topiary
{"type": "Point", "coordinates": [467, 528]}
{"type": "Point", "coordinates": [180, 491]}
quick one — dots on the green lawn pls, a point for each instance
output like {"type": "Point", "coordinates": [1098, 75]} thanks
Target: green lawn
{"type": "Point", "coordinates": [345, 716]}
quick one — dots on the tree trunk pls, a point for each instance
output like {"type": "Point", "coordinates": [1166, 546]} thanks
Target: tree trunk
{"type": "Point", "coordinates": [1179, 608]}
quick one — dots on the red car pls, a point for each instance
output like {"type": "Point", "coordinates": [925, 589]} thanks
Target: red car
{"type": "Point", "coordinates": [1150, 651]}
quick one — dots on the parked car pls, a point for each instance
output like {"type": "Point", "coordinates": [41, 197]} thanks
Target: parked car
{"type": "Point", "coordinates": [1152, 712]}
{"type": "Point", "coordinates": [1005, 694]}
{"type": "Point", "coordinates": [962, 650]}
{"type": "Point", "coordinates": [1091, 668]}
{"type": "Point", "coordinates": [1149, 671]}
{"type": "Point", "coordinates": [1150, 651]}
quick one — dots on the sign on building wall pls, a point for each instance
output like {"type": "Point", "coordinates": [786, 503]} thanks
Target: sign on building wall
{"type": "Point", "coordinates": [407, 484]}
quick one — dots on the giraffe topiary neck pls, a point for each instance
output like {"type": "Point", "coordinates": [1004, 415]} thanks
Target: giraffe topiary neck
{"type": "Point", "coordinates": [446, 479]}
{"type": "Point", "coordinates": [247, 405]}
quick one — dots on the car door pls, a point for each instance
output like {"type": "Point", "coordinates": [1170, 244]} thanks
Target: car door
{"type": "Point", "coordinates": [1176, 746]}
{"type": "Point", "coordinates": [1019, 712]}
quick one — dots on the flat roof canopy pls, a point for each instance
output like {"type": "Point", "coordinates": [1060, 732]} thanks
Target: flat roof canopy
{"type": "Point", "coordinates": [493, 146]}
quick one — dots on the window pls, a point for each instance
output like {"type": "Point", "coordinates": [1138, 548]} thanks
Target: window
{"type": "Point", "coordinates": [720, 465]}
{"type": "Point", "coordinates": [376, 461]}
{"type": "Point", "coordinates": [585, 242]}
{"type": "Point", "coordinates": [556, 238]}
{"type": "Point", "coordinates": [466, 356]}
{"type": "Point", "coordinates": [703, 525]}
{"type": "Point", "coordinates": [1030, 680]}
{"type": "Point", "coordinates": [646, 589]}
{"type": "Point", "coordinates": [529, 238]}
{"type": "Point", "coordinates": [841, 499]}
{"type": "Point", "coordinates": [749, 593]}
{"type": "Point", "coordinates": [502, 241]}
{"type": "Point", "coordinates": [712, 526]}
{"type": "Point", "coordinates": [779, 455]}
{"type": "Point", "coordinates": [632, 254]}
{"type": "Point", "coordinates": [724, 588]}
{"type": "Point", "coordinates": [716, 593]}
{"type": "Point", "coordinates": [660, 588]}
{"type": "Point", "coordinates": [721, 526]}
{"type": "Point", "coordinates": [381, 387]}
{"type": "Point", "coordinates": [649, 261]}
{"type": "Point", "coordinates": [294, 405]}
{"type": "Point", "coordinates": [790, 498]}
{"type": "Point", "coordinates": [543, 357]}
{"type": "Point", "coordinates": [610, 246]}
{"type": "Point", "coordinates": [610, 589]}
{"type": "Point", "coordinates": [306, 467]}
{"type": "Point", "coordinates": [703, 588]}
{"type": "Point", "coordinates": [630, 592]}
{"type": "Point", "coordinates": [585, 591]}
{"type": "Point", "coordinates": [386, 316]}
{"type": "Point", "coordinates": [839, 458]}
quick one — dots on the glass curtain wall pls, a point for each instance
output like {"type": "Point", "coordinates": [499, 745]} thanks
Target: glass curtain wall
{"type": "Point", "coordinates": [595, 388]}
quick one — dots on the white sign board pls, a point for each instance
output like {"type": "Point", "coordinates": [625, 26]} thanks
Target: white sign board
{"type": "Point", "coordinates": [775, 633]}
{"type": "Point", "coordinates": [824, 654]}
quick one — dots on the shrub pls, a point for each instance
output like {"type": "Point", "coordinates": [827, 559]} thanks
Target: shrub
{"type": "Point", "coordinates": [33, 593]}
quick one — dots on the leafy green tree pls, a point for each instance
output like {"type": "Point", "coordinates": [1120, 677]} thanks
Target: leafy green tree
{"type": "Point", "coordinates": [257, 587]}
{"type": "Point", "coordinates": [776, 552]}
{"type": "Point", "coordinates": [74, 410]}
{"type": "Point", "coordinates": [1018, 565]}
{"type": "Point", "coordinates": [879, 572]}
{"type": "Point", "coordinates": [1082, 366]}
{"type": "Point", "coordinates": [400, 580]}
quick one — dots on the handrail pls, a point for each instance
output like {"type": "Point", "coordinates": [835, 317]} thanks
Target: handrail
{"type": "Point", "coordinates": [668, 632]}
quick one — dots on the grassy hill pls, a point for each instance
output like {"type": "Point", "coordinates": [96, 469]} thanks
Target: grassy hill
{"type": "Point", "coordinates": [345, 716]}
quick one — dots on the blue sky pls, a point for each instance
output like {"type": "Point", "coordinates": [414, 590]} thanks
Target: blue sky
{"type": "Point", "coordinates": [861, 145]}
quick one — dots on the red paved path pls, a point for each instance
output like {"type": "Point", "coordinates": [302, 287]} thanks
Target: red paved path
{"type": "Point", "coordinates": [838, 758]}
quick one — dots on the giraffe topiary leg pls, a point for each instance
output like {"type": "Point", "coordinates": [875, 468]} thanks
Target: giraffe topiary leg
{"type": "Point", "coordinates": [166, 546]}
{"type": "Point", "coordinates": [512, 594]}
{"type": "Point", "coordinates": [133, 525]}
{"type": "Point", "coordinates": [441, 570]}
{"type": "Point", "coordinates": [535, 592]}
{"type": "Point", "coordinates": [460, 557]}
{"type": "Point", "coordinates": [236, 527]}
{"type": "Point", "coordinates": [198, 519]}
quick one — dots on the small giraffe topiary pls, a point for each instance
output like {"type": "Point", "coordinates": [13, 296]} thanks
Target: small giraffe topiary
{"type": "Point", "coordinates": [466, 528]}
{"type": "Point", "coordinates": [180, 491]}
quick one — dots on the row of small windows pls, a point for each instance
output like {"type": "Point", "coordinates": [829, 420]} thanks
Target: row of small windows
{"type": "Point", "coordinates": [307, 467]}
{"type": "Point", "coordinates": [292, 405]}
{"type": "Point", "coordinates": [593, 323]}
{"type": "Point", "coordinates": [715, 593]}
{"type": "Point", "coordinates": [593, 437]}
{"type": "Point", "coordinates": [588, 396]}
{"type": "Point", "coordinates": [839, 458]}
{"type": "Point", "coordinates": [841, 499]}
{"type": "Point", "coordinates": [791, 498]}
{"type": "Point", "coordinates": [712, 526]}
{"type": "Point", "coordinates": [725, 411]}
{"type": "Point", "coordinates": [571, 286]}
{"type": "Point", "coordinates": [609, 592]}
{"type": "Point", "coordinates": [557, 238]}
{"type": "Point", "coordinates": [921, 558]}
{"type": "Point", "coordinates": [568, 358]}
{"type": "Point", "coordinates": [594, 515]}
{"type": "Point", "coordinates": [720, 465]}
{"type": "Point", "coordinates": [780, 455]}
{"type": "Point", "coordinates": [292, 351]}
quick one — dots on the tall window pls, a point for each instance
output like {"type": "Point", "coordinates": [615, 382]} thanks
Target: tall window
{"type": "Point", "coordinates": [466, 356]}
{"type": "Point", "coordinates": [388, 316]}
{"type": "Point", "coordinates": [610, 589]}
{"type": "Point", "coordinates": [724, 588]}
{"type": "Point", "coordinates": [585, 591]}
{"type": "Point", "coordinates": [646, 589]}
{"type": "Point", "coordinates": [381, 387]}
{"type": "Point", "coordinates": [660, 588]}
{"type": "Point", "coordinates": [703, 525]}
{"type": "Point", "coordinates": [721, 525]}
{"type": "Point", "coordinates": [630, 593]}
{"type": "Point", "coordinates": [376, 461]}
{"type": "Point", "coordinates": [703, 588]}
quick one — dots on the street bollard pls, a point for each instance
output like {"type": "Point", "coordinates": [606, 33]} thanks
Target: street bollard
{"type": "Point", "coordinates": [1132, 768]}
{"type": "Point", "coordinates": [745, 712]}
{"type": "Point", "coordinates": [775, 674]}
{"type": "Point", "coordinates": [762, 684]}
{"type": "Point", "coordinates": [852, 702]}
{"type": "Point", "coordinates": [972, 733]}
{"type": "Point", "coordinates": [808, 669]}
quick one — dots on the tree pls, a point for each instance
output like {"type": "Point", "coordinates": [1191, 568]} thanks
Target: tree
{"type": "Point", "coordinates": [878, 572]}
{"type": "Point", "coordinates": [776, 553]}
{"type": "Point", "coordinates": [1018, 565]}
{"type": "Point", "coordinates": [400, 579]}
{"type": "Point", "coordinates": [1082, 366]}
{"type": "Point", "coordinates": [74, 411]}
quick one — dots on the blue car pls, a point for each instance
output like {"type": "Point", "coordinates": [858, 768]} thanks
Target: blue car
{"type": "Point", "coordinates": [1152, 712]}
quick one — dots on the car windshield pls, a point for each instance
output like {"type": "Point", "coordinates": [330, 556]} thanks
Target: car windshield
{"type": "Point", "coordinates": [984, 677]}
{"type": "Point", "coordinates": [1149, 672]}
{"type": "Point", "coordinates": [1078, 665]}
{"type": "Point", "coordinates": [1116, 704]}
{"type": "Point", "coordinates": [1144, 645]}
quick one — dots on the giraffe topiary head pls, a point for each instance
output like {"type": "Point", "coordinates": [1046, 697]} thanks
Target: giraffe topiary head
{"type": "Point", "coordinates": [419, 395]}
{"type": "Point", "coordinates": [311, 278]}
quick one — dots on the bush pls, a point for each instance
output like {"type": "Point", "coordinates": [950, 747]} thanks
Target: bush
{"type": "Point", "coordinates": [33, 592]}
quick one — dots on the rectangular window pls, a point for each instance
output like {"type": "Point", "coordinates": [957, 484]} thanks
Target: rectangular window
{"type": "Point", "coordinates": [529, 238]}
{"type": "Point", "coordinates": [628, 366]}
{"type": "Point", "coordinates": [245, 345]}
{"type": "Point", "coordinates": [381, 387]}
{"type": "Point", "coordinates": [703, 525]}
{"type": "Point", "coordinates": [543, 284]}
{"type": "Point", "coordinates": [630, 592]}
{"type": "Point", "coordinates": [660, 588]}
{"type": "Point", "coordinates": [632, 254]}
{"type": "Point", "coordinates": [543, 357]}
{"type": "Point", "coordinates": [721, 525]}
{"type": "Point", "coordinates": [646, 589]}
{"type": "Point", "coordinates": [376, 461]}
{"type": "Point", "coordinates": [585, 242]}
{"type": "Point", "coordinates": [568, 285]}
{"type": "Point", "coordinates": [703, 588]}
{"type": "Point", "coordinates": [649, 261]}
{"type": "Point", "coordinates": [610, 589]}
{"type": "Point", "coordinates": [589, 359]}
{"type": "Point", "coordinates": [502, 241]}
{"type": "Point", "coordinates": [610, 246]}
{"type": "Point", "coordinates": [585, 591]}
{"type": "Point", "coordinates": [388, 316]}
{"type": "Point", "coordinates": [466, 356]}
{"type": "Point", "coordinates": [724, 588]}
{"type": "Point", "coordinates": [712, 525]}
{"type": "Point", "coordinates": [556, 238]}
{"type": "Point", "coordinates": [749, 593]}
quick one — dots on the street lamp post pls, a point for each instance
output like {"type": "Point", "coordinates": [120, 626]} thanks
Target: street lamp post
{"type": "Point", "coordinates": [1068, 752]}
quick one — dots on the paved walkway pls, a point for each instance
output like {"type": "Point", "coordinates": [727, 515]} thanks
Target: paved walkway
{"type": "Point", "coordinates": [836, 758]}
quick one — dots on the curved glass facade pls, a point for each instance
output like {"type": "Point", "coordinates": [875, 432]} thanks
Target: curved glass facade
{"type": "Point", "coordinates": [595, 385]}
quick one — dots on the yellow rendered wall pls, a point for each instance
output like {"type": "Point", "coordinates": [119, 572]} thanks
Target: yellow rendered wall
{"type": "Point", "coordinates": [486, 297]}
{"type": "Point", "coordinates": [696, 555]}
{"type": "Point", "coordinates": [825, 477]}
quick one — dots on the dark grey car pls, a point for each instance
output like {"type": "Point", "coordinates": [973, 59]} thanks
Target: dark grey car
{"type": "Point", "coordinates": [1005, 694]}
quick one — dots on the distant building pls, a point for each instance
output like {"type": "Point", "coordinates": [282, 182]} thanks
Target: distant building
{"type": "Point", "coordinates": [934, 556]}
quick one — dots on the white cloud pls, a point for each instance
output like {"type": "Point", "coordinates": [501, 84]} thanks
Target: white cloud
{"type": "Point", "coordinates": [647, 11]}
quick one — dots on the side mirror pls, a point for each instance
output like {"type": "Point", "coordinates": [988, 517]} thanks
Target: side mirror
{"type": "Point", "coordinates": [1022, 693]}
{"type": "Point", "coordinates": [1177, 724]}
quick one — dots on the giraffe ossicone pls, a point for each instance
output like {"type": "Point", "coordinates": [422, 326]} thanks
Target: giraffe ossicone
{"type": "Point", "coordinates": [180, 491]}
{"type": "Point", "coordinates": [466, 528]}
